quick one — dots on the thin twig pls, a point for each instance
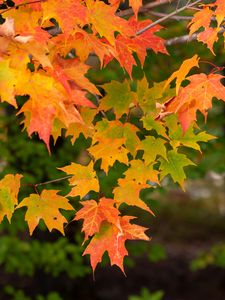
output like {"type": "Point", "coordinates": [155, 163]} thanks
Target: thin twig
{"type": "Point", "coordinates": [175, 17]}
{"type": "Point", "coordinates": [36, 189]}
{"type": "Point", "coordinates": [195, 8]}
{"type": "Point", "coordinates": [167, 17]}
{"type": "Point", "coordinates": [54, 180]}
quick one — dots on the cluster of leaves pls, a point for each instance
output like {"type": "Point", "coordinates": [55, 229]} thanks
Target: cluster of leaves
{"type": "Point", "coordinates": [214, 256]}
{"type": "Point", "coordinates": [211, 18]}
{"type": "Point", "coordinates": [54, 258]}
{"type": "Point", "coordinates": [146, 295]}
{"type": "Point", "coordinates": [20, 295]}
{"type": "Point", "coordinates": [44, 52]}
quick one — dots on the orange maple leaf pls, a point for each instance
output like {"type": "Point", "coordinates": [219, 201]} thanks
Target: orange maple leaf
{"type": "Point", "coordinates": [112, 239]}
{"type": "Point", "coordinates": [94, 213]}
{"type": "Point", "coordinates": [105, 22]}
{"type": "Point", "coordinates": [73, 12]}
{"type": "Point", "coordinates": [47, 102]}
{"type": "Point", "coordinates": [184, 69]}
{"type": "Point", "coordinates": [71, 74]}
{"type": "Point", "coordinates": [197, 95]}
{"type": "Point", "coordinates": [126, 46]}
{"type": "Point", "coordinates": [203, 18]}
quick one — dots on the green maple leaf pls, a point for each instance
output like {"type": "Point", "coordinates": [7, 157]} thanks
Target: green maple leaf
{"type": "Point", "coordinates": [149, 97]}
{"type": "Point", "coordinates": [150, 123]}
{"type": "Point", "coordinates": [153, 147]}
{"type": "Point", "coordinates": [119, 97]}
{"type": "Point", "coordinates": [174, 165]}
{"type": "Point", "coordinates": [117, 130]}
{"type": "Point", "coordinates": [189, 138]}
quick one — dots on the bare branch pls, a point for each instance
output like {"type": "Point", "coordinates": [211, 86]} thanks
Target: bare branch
{"type": "Point", "coordinates": [167, 17]}
{"type": "Point", "coordinates": [185, 38]}
{"type": "Point", "coordinates": [175, 17]}
{"type": "Point", "coordinates": [181, 39]}
{"type": "Point", "coordinates": [52, 181]}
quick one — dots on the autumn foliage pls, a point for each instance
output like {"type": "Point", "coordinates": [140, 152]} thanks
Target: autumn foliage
{"type": "Point", "coordinates": [44, 51]}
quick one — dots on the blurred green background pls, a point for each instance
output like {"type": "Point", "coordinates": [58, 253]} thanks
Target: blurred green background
{"type": "Point", "coordinates": [185, 258]}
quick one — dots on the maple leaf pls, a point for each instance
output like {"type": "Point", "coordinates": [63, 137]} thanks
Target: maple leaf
{"type": "Point", "coordinates": [141, 172]}
{"type": "Point", "coordinates": [197, 95]}
{"type": "Point", "coordinates": [112, 239]}
{"type": "Point", "coordinates": [147, 96]}
{"type": "Point", "coordinates": [46, 207]}
{"type": "Point", "coordinates": [187, 139]}
{"type": "Point", "coordinates": [136, 178]}
{"type": "Point", "coordinates": [174, 166]}
{"type": "Point", "coordinates": [71, 72]}
{"type": "Point", "coordinates": [36, 116]}
{"type": "Point", "coordinates": [219, 11]}
{"type": "Point", "coordinates": [103, 19]}
{"type": "Point", "coordinates": [94, 213]}
{"type": "Point", "coordinates": [200, 19]}
{"type": "Point", "coordinates": [9, 78]}
{"type": "Point", "coordinates": [148, 39]}
{"type": "Point", "coordinates": [203, 19]}
{"type": "Point", "coordinates": [126, 46]}
{"type": "Point", "coordinates": [86, 128]}
{"type": "Point", "coordinates": [117, 130]}
{"type": "Point", "coordinates": [109, 150]}
{"type": "Point", "coordinates": [153, 147]}
{"type": "Point", "coordinates": [7, 30]}
{"type": "Point", "coordinates": [135, 4]}
{"type": "Point", "coordinates": [26, 21]}
{"type": "Point", "coordinates": [190, 139]}
{"type": "Point", "coordinates": [184, 69]}
{"type": "Point", "coordinates": [152, 99]}
{"type": "Point", "coordinates": [150, 123]}
{"type": "Point", "coordinates": [38, 52]}
{"type": "Point", "coordinates": [73, 12]}
{"type": "Point", "coordinates": [118, 96]}
{"type": "Point", "coordinates": [40, 112]}
{"type": "Point", "coordinates": [9, 189]}
{"type": "Point", "coordinates": [83, 179]}
{"type": "Point", "coordinates": [86, 43]}
{"type": "Point", "coordinates": [209, 37]}
{"type": "Point", "coordinates": [27, 40]}
{"type": "Point", "coordinates": [128, 192]}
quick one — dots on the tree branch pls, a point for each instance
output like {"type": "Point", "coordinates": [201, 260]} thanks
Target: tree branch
{"type": "Point", "coordinates": [181, 39]}
{"type": "Point", "coordinates": [185, 38]}
{"type": "Point", "coordinates": [167, 17]}
{"type": "Point", "coordinates": [54, 180]}
{"type": "Point", "coordinates": [175, 17]}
